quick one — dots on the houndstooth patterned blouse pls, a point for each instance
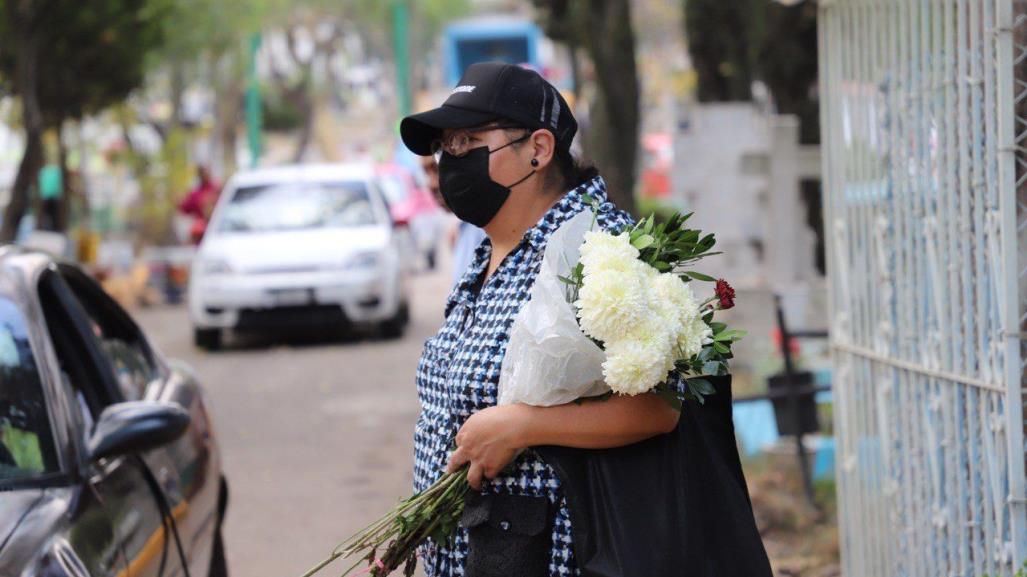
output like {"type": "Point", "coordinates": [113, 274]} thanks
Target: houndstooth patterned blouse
{"type": "Point", "coordinates": [459, 372]}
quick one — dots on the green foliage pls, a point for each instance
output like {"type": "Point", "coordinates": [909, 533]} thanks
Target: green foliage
{"type": "Point", "coordinates": [279, 114]}
{"type": "Point", "coordinates": [668, 245]}
{"type": "Point", "coordinates": [90, 54]}
{"type": "Point", "coordinates": [193, 28]}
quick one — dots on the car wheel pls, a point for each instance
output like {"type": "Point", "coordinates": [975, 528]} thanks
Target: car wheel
{"type": "Point", "coordinates": [393, 328]}
{"type": "Point", "coordinates": [218, 565]}
{"type": "Point", "coordinates": [209, 339]}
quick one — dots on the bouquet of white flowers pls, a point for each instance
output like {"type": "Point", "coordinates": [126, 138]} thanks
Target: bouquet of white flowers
{"type": "Point", "coordinates": [615, 313]}
{"type": "Point", "coordinates": [607, 314]}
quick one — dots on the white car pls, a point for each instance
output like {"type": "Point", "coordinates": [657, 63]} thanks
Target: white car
{"type": "Point", "coordinates": [298, 245]}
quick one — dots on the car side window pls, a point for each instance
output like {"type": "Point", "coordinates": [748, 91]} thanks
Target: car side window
{"type": "Point", "coordinates": [76, 348]}
{"type": "Point", "coordinates": [122, 342]}
{"type": "Point", "coordinates": [26, 439]}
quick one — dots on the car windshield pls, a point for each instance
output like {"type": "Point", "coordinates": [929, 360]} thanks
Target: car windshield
{"type": "Point", "coordinates": [394, 188]}
{"type": "Point", "coordinates": [297, 206]}
{"type": "Point", "coordinates": [26, 439]}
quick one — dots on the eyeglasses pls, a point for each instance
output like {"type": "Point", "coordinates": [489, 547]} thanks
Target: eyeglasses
{"type": "Point", "coordinates": [458, 143]}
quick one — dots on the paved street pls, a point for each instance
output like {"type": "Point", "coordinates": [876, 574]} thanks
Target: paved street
{"type": "Point", "coordinates": [316, 433]}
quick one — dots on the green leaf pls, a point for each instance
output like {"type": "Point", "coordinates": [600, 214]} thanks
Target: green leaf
{"type": "Point", "coordinates": [720, 348]}
{"type": "Point", "coordinates": [731, 335]}
{"type": "Point", "coordinates": [717, 327]}
{"type": "Point", "coordinates": [711, 367]}
{"type": "Point", "coordinates": [700, 276]}
{"type": "Point", "coordinates": [643, 241]}
{"type": "Point", "coordinates": [702, 386]}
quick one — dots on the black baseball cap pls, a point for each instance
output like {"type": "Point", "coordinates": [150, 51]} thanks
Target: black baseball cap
{"type": "Point", "coordinates": [493, 91]}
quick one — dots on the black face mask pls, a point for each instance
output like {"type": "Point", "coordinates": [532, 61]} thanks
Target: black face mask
{"type": "Point", "coordinates": [468, 189]}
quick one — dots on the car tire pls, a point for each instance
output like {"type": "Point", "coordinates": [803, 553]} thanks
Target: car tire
{"type": "Point", "coordinates": [218, 564]}
{"type": "Point", "coordinates": [394, 327]}
{"type": "Point", "coordinates": [209, 339]}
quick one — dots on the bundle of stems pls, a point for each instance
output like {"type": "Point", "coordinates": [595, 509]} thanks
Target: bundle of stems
{"type": "Point", "coordinates": [432, 513]}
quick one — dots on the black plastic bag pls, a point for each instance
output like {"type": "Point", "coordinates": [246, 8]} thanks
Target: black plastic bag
{"type": "Point", "coordinates": [673, 505]}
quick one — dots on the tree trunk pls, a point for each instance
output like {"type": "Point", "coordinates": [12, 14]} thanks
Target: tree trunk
{"type": "Point", "coordinates": [613, 138]}
{"type": "Point", "coordinates": [64, 202]}
{"type": "Point", "coordinates": [177, 93]}
{"type": "Point", "coordinates": [575, 59]}
{"type": "Point", "coordinates": [306, 106]}
{"type": "Point", "coordinates": [719, 34]}
{"type": "Point", "coordinates": [31, 160]}
{"type": "Point", "coordinates": [229, 81]}
{"type": "Point", "coordinates": [22, 17]}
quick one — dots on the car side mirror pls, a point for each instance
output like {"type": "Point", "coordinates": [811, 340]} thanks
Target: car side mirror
{"type": "Point", "coordinates": [136, 426]}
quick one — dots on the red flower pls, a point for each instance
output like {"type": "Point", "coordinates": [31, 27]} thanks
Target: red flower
{"type": "Point", "coordinates": [726, 294]}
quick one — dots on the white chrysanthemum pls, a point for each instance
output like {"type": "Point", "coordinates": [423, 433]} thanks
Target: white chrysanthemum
{"type": "Point", "coordinates": [655, 332]}
{"type": "Point", "coordinates": [671, 292]}
{"type": "Point", "coordinates": [603, 251]}
{"type": "Point", "coordinates": [694, 335]}
{"type": "Point", "coordinates": [674, 300]}
{"type": "Point", "coordinates": [635, 366]}
{"type": "Point", "coordinates": [610, 303]}
{"type": "Point", "coordinates": [661, 307]}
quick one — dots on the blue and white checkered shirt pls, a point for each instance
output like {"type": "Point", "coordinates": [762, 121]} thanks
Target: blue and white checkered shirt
{"type": "Point", "coordinates": [459, 373]}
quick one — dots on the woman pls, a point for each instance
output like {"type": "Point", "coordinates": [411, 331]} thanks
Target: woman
{"type": "Point", "coordinates": [502, 141]}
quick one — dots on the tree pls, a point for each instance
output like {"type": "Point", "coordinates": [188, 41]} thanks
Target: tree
{"type": "Point", "coordinates": [68, 59]}
{"type": "Point", "coordinates": [733, 42]}
{"type": "Point", "coordinates": [722, 40]}
{"type": "Point", "coordinates": [605, 32]}
{"type": "Point", "coordinates": [787, 63]}
{"type": "Point", "coordinates": [296, 83]}
{"type": "Point", "coordinates": [428, 17]}
{"type": "Point", "coordinates": [20, 25]}
{"type": "Point", "coordinates": [206, 43]}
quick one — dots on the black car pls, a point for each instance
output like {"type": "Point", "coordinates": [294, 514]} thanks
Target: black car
{"type": "Point", "coordinates": [108, 461]}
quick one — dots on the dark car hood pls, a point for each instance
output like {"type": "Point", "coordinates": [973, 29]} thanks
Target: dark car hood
{"type": "Point", "coordinates": [14, 507]}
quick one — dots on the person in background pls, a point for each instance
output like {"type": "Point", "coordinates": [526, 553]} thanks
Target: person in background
{"type": "Point", "coordinates": [200, 201]}
{"type": "Point", "coordinates": [467, 237]}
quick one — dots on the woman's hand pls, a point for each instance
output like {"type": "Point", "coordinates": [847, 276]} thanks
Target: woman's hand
{"type": "Point", "coordinates": [489, 440]}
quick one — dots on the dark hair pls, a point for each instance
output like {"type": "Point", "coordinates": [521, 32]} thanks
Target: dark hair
{"type": "Point", "coordinates": [569, 171]}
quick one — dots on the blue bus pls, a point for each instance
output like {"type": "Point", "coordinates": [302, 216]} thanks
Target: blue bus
{"type": "Point", "coordinates": [486, 39]}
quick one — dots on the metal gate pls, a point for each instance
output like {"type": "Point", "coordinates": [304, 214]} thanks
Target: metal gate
{"type": "Point", "coordinates": [924, 116]}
